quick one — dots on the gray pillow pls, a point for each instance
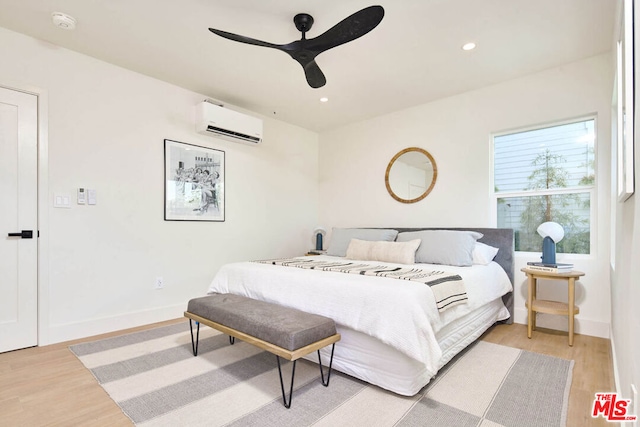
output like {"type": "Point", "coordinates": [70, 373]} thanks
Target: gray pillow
{"type": "Point", "coordinates": [450, 247]}
{"type": "Point", "coordinates": [340, 238]}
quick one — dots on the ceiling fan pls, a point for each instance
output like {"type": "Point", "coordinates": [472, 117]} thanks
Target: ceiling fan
{"type": "Point", "coordinates": [305, 50]}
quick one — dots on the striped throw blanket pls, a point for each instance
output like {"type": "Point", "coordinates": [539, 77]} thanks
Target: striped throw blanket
{"type": "Point", "coordinates": [448, 289]}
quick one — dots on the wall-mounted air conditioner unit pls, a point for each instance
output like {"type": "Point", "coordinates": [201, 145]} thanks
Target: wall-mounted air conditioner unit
{"type": "Point", "coordinates": [212, 119]}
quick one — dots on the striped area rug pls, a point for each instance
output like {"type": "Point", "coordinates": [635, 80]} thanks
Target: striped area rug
{"type": "Point", "coordinates": [155, 379]}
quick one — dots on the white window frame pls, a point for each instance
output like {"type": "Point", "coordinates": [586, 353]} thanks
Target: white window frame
{"type": "Point", "coordinates": [591, 189]}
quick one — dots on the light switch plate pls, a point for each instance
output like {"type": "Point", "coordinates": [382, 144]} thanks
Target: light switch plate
{"type": "Point", "coordinates": [62, 201]}
{"type": "Point", "coordinates": [92, 197]}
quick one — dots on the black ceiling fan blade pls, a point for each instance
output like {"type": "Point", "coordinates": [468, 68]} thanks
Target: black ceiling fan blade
{"type": "Point", "coordinates": [243, 39]}
{"type": "Point", "coordinates": [313, 73]}
{"type": "Point", "coordinates": [350, 28]}
{"type": "Point", "coordinates": [305, 50]}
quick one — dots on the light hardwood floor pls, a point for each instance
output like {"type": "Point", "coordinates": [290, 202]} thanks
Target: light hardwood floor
{"type": "Point", "coordinates": [48, 386]}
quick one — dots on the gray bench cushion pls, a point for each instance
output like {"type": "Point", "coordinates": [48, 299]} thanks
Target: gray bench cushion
{"type": "Point", "coordinates": [285, 327]}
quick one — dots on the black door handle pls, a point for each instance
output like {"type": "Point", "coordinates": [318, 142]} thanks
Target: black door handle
{"type": "Point", "coordinates": [25, 234]}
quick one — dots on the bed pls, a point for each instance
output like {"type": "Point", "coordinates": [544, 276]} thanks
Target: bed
{"type": "Point", "coordinates": [394, 333]}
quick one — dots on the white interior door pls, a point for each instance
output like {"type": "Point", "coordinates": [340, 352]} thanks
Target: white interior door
{"type": "Point", "coordinates": [18, 215]}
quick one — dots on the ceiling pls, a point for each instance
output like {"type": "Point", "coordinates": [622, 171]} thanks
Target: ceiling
{"type": "Point", "coordinates": [413, 57]}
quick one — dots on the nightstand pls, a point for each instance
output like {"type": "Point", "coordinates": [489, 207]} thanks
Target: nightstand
{"type": "Point", "coordinates": [535, 305]}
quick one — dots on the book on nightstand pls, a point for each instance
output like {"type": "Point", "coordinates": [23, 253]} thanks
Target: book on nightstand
{"type": "Point", "coordinates": [550, 268]}
{"type": "Point", "coordinates": [316, 252]}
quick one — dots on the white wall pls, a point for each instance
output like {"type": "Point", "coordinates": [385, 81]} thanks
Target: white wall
{"type": "Point", "coordinates": [625, 287]}
{"type": "Point", "coordinates": [457, 132]}
{"type": "Point", "coordinates": [625, 273]}
{"type": "Point", "coordinates": [625, 292]}
{"type": "Point", "coordinates": [106, 131]}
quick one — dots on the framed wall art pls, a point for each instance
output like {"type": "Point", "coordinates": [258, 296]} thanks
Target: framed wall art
{"type": "Point", "coordinates": [193, 182]}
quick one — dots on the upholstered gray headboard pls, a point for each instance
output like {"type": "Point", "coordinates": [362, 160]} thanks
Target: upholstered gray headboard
{"type": "Point", "coordinates": [501, 238]}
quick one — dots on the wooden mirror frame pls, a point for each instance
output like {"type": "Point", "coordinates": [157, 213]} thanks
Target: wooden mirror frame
{"type": "Point", "coordinates": [427, 191]}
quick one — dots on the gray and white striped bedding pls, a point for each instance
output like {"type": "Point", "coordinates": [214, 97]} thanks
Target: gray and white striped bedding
{"type": "Point", "coordinates": [448, 289]}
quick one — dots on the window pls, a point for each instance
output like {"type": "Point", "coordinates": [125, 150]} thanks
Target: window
{"type": "Point", "coordinates": [546, 174]}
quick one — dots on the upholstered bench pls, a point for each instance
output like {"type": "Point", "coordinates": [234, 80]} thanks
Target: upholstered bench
{"type": "Point", "coordinates": [283, 331]}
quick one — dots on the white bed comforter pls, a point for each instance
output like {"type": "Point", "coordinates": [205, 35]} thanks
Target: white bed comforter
{"type": "Point", "coordinates": [399, 313]}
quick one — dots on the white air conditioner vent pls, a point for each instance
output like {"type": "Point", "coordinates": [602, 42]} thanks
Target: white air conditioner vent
{"type": "Point", "coordinates": [217, 120]}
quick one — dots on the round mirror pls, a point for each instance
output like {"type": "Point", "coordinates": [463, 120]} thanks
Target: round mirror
{"type": "Point", "coordinates": [411, 175]}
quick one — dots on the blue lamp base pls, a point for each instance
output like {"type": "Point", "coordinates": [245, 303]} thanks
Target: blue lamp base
{"type": "Point", "coordinates": [319, 242]}
{"type": "Point", "coordinates": [548, 251]}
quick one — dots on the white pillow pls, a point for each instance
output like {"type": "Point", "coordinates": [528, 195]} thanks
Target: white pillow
{"type": "Point", "coordinates": [340, 238]}
{"type": "Point", "coordinates": [483, 254]}
{"type": "Point", "coordinates": [396, 252]}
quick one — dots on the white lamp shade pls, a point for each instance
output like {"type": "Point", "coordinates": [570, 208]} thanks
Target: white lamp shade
{"type": "Point", "coordinates": [550, 229]}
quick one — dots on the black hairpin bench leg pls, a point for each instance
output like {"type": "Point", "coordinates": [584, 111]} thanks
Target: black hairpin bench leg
{"type": "Point", "coordinates": [293, 374]}
{"type": "Point", "coordinates": [326, 384]}
{"type": "Point", "coordinates": [194, 344]}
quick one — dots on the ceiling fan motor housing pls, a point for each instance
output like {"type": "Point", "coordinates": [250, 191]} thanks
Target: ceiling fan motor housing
{"type": "Point", "coordinates": [303, 22]}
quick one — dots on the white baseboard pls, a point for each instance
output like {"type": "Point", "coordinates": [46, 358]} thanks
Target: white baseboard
{"type": "Point", "coordinates": [71, 331]}
{"type": "Point", "coordinates": [582, 326]}
{"type": "Point", "coordinates": [616, 378]}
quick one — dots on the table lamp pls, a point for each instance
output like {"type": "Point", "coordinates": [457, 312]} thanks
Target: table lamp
{"type": "Point", "coordinates": [551, 233]}
{"type": "Point", "coordinates": [318, 235]}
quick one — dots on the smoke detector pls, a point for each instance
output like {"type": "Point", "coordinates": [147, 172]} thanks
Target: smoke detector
{"type": "Point", "coordinates": [64, 21]}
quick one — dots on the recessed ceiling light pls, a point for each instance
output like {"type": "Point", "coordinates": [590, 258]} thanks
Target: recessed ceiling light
{"type": "Point", "coordinates": [324, 99]}
{"type": "Point", "coordinates": [63, 21]}
{"type": "Point", "coordinates": [469, 46]}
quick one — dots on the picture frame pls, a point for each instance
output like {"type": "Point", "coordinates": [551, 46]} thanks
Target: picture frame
{"type": "Point", "coordinates": [194, 179]}
{"type": "Point", "coordinates": [625, 144]}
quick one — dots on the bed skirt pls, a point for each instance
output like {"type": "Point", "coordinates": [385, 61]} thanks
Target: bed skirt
{"type": "Point", "coordinates": [370, 360]}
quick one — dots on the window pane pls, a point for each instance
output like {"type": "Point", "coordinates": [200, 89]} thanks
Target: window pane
{"type": "Point", "coordinates": [554, 157]}
{"type": "Point", "coordinates": [525, 214]}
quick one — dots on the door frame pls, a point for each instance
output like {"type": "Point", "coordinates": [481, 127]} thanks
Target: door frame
{"type": "Point", "coordinates": [43, 203]}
